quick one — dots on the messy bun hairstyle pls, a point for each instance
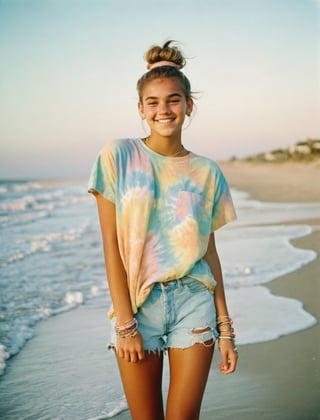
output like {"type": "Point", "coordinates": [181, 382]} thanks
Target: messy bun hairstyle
{"type": "Point", "coordinates": [167, 53]}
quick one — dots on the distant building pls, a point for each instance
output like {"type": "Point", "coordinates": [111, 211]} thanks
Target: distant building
{"type": "Point", "coordinates": [269, 157]}
{"type": "Point", "coordinates": [302, 151]}
{"type": "Point", "coordinates": [278, 154]}
{"type": "Point", "coordinates": [302, 148]}
{"type": "Point", "coordinates": [305, 148]}
{"type": "Point", "coordinates": [315, 145]}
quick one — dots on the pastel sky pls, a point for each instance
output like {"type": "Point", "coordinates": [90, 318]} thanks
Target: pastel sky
{"type": "Point", "coordinates": [69, 69]}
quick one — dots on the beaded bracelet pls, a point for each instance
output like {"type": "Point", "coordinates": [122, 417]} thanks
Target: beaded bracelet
{"type": "Point", "coordinates": [226, 337]}
{"type": "Point", "coordinates": [224, 317]}
{"type": "Point", "coordinates": [130, 334]}
{"type": "Point", "coordinates": [227, 334]}
{"type": "Point", "coordinates": [128, 329]}
{"type": "Point", "coordinates": [235, 349]}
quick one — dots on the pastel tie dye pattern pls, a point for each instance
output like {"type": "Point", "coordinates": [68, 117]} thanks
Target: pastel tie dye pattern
{"type": "Point", "coordinates": [166, 208]}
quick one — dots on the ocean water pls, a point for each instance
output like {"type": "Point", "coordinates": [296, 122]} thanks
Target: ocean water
{"type": "Point", "coordinates": [50, 256]}
{"type": "Point", "coordinates": [51, 261]}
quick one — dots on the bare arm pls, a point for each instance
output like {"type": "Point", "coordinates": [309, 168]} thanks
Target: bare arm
{"type": "Point", "coordinates": [131, 348]}
{"type": "Point", "coordinates": [229, 356]}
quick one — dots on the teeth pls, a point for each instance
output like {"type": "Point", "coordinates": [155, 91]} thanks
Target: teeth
{"type": "Point", "coordinates": [165, 121]}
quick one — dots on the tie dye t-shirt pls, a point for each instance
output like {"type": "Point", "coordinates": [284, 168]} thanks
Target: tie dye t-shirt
{"type": "Point", "coordinates": [166, 208]}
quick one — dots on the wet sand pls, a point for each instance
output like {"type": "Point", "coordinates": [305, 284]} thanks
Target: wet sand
{"type": "Point", "coordinates": [279, 379]}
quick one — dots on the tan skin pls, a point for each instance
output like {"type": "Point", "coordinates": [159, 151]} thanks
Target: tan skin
{"type": "Point", "coordinates": [164, 106]}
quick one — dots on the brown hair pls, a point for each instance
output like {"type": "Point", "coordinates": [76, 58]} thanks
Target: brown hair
{"type": "Point", "coordinates": [170, 53]}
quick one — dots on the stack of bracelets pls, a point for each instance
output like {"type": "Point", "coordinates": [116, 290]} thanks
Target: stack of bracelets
{"type": "Point", "coordinates": [225, 329]}
{"type": "Point", "coordinates": [128, 329]}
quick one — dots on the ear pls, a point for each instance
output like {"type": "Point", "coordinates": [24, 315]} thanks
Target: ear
{"type": "Point", "coordinates": [140, 108]}
{"type": "Point", "coordinates": [189, 107]}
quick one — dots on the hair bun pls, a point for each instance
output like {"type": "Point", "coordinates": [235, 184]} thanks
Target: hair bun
{"type": "Point", "coordinates": [167, 53]}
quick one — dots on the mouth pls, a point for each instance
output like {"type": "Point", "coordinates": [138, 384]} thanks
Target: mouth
{"type": "Point", "coordinates": [165, 120]}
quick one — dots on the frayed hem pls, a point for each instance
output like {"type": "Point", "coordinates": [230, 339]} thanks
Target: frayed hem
{"type": "Point", "coordinates": [209, 343]}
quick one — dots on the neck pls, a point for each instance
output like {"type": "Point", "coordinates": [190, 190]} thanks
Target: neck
{"type": "Point", "coordinates": [166, 146]}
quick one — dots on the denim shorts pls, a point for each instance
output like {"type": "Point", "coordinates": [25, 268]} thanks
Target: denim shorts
{"type": "Point", "coordinates": [176, 314]}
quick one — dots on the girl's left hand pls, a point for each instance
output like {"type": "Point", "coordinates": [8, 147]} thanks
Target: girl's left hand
{"type": "Point", "coordinates": [229, 356]}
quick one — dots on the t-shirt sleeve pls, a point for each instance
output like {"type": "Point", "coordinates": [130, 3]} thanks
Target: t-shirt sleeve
{"type": "Point", "coordinates": [103, 174]}
{"type": "Point", "coordinates": [223, 210]}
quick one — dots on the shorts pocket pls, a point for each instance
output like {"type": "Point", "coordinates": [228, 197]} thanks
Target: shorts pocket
{"type": "Point", "coordinates": [196, 286]}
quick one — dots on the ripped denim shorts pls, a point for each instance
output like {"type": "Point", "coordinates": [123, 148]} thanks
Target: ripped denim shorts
{"type": "Point", "coordinates": [176, 314]}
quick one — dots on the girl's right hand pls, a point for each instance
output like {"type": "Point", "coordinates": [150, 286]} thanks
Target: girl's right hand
{"type": "Point", "coordinates": [130, 348]}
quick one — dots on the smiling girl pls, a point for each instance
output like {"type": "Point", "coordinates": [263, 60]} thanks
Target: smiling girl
{"type": "Point", "coordinates": [159, 205]}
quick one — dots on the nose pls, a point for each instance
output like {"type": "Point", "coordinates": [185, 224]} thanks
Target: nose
{"type": "Point", "coordinates": [164, 108]}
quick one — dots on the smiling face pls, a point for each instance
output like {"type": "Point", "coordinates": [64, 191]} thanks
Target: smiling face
{"type": "Point", "coordinates": [164, 106]}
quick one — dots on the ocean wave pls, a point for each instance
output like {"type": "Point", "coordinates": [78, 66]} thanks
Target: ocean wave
{"type": "Point", "coordinates": [274, 316]}
{"type": "Point", "coordinates": [21, 204]}
{"type": "Point", "coordinates": [112, 409]}
{"type": "Point", "coordinates": [4, 355]}
{"type": "Point", "coordinates": [15, 333]}
{"type": "Point", "coordinates": [47, 268]}
{"type": "Point", "coordinates": [74, 298]}
{"type": "Point", "coordinates": [34, 202]}
{"type": "Point", "coordinates": [27, 186]}
{"type": "Point", "coordinates": [41, 243]}
{"type": "Point", "coordinates": [29, 208]}
{"type": "Point", "coordinates": [244, 260]}
{"type": "Point", "coordinates": [21, 219]}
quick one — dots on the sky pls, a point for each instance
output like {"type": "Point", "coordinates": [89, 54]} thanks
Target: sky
{"type": "Point", "coordinates": [69, 69]}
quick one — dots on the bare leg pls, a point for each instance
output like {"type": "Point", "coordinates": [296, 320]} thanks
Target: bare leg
{"type": "Point", "coordinates": [189, 369]}
{"type": "Point", "coordinates": [142, 383]}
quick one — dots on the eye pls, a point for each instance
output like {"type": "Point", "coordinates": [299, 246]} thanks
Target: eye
{"type": "Point", "coordinates": [151, 103]}
{"type": "Point", "coordinates": [174, 100]}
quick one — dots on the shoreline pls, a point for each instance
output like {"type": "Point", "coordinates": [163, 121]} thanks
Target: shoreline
{"type": "Point", "coordinates": [286, 370]}
{"type": "Point", "coordinates": [275, 380]}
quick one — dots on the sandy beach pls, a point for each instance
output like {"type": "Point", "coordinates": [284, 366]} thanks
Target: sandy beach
{"type": "Point", "coordinates": [283, 376]}
{"type": "Point", "coordinates": [277, 182]}
{"type": "Point", "coordinates": [275, 380]}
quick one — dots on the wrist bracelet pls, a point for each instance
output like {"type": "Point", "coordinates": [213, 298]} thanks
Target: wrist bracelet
{"type": "Point", "coordinates": [128, 329]}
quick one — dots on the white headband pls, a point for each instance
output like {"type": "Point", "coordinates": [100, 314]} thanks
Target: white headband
{"type": "Point", "coordinates": [162, 64]}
